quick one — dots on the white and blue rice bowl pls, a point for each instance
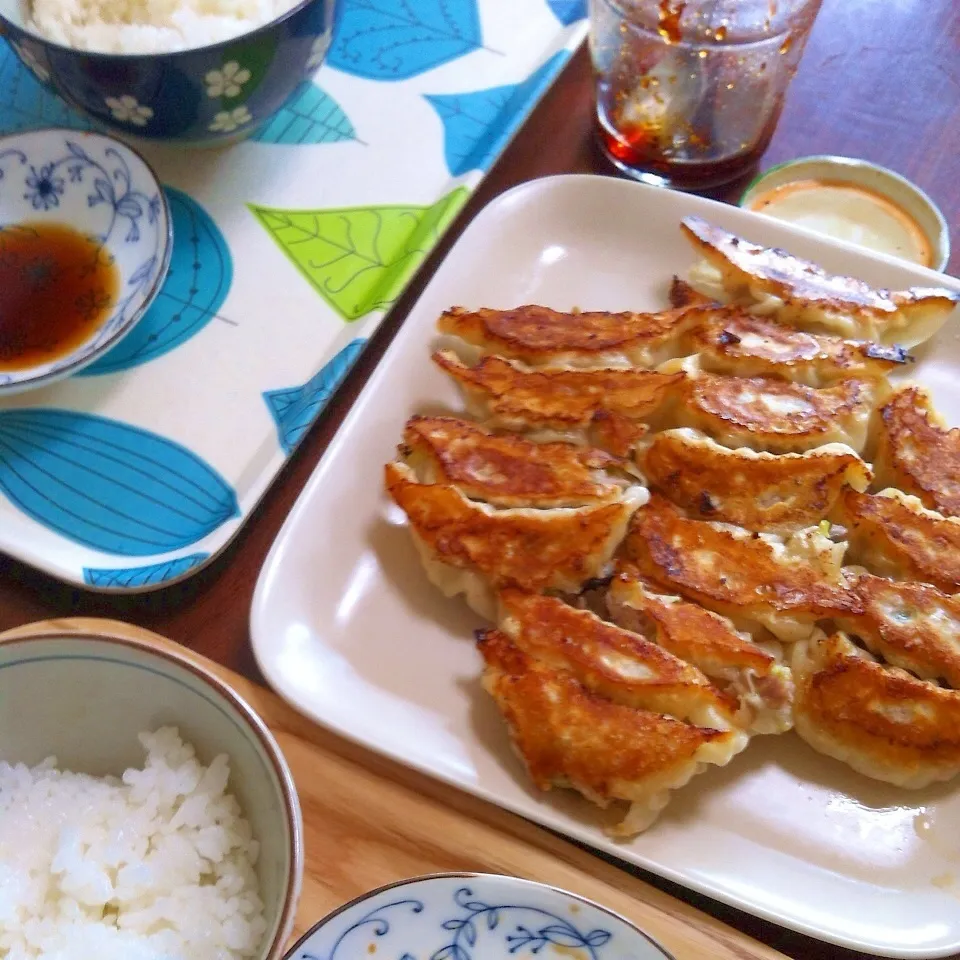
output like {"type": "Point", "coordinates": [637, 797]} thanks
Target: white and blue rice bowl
{"type": "Point", "coordinates": [190, 97]}
{"type": "Point", "coordinates": [471, 916]}
{"type": "Point", "coordinates": [106, 191]}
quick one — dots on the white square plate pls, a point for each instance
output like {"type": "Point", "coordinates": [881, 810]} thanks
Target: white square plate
{"type": "Point", "coordinates": [346, 627]}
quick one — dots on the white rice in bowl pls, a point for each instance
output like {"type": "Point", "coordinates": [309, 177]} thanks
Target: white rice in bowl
{"type": "Point", "coordinates": [150, 26]}
{"type": "Point", "coordinates": [156, 865]}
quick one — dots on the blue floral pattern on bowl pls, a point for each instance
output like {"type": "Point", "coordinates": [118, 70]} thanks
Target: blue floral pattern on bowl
{"type": "Point", "coordinates": [209, 95]}
{"type": "Point", "coordinates": [473, 917]}
{"type": "Point", "coordinates": [106, 191]}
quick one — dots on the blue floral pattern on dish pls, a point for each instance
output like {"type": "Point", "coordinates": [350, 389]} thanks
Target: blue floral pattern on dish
{"type": "Point", "coordinates": [198, 281]}
{"type": "Point", "coordinates": [104, 191]}
{"type": "Point", "coordinates": [473, 917]}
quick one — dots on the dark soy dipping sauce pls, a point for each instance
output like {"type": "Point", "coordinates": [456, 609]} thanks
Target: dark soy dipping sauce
{"type": "Point", "coordinates": [57, 286]}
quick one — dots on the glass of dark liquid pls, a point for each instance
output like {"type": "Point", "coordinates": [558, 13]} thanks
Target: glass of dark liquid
{"type": "Point", "coordinates": [689, 92]}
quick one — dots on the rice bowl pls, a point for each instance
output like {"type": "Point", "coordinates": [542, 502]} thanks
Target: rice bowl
{"type": "Point", "coordinates": [149, 26]}
{"type": "Point", "coordinates": [156, 864]}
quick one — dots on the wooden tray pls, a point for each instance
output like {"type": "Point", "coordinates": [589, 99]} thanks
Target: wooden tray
{"type": "Point", "coordinates": [368, 822]}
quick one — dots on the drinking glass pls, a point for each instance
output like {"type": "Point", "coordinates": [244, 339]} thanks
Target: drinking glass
{"type": "Point", "coordinates": [689, 91]}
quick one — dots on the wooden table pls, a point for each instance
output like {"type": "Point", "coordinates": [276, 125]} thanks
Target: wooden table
{"type": "Point", "coordinates": [878, 80]}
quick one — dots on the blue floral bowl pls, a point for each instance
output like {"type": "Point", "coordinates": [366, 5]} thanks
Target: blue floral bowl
{"type": "Point", "coordinates": [101, 189]}
{"type": "Point", "coordinates": [205, 96]}
{"type": "Point", "coordinates": [469, 916]}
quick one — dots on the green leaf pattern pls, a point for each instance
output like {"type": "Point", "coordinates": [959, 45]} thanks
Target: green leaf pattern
{"type": "Point", "coordinates": [359, 258]}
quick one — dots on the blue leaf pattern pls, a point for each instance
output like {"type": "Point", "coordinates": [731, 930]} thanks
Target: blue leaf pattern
{"type": "Point", "coordinates": [478, 125]}
{"type": "Point", "coordinates": [109, 485]}
{"type": "Point", "coordinates": [201, 271]}
{"type": "Point", "coordinates": [148, 576]}
{"type": "Point", "coordinates": [310, 116]}
{"type": "Point", "coordinates": [25, 104]}
{"type": "Point", "coordinates": [295, 408]}
{"type": "Point", "coordinates": [568, 11]}
{"type": "Point", "coordinates": [398, 39]}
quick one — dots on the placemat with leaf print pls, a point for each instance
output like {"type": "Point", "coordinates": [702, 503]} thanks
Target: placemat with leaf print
{"type": "Point", "coordinates": [289, 249]}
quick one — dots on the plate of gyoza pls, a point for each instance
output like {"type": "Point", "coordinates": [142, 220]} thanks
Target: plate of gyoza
{"type": "Point", "coordinates": [647, 527]}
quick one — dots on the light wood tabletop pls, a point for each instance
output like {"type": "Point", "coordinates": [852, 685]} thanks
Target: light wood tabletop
{"type": "Point", "coordinates": [879, 81]}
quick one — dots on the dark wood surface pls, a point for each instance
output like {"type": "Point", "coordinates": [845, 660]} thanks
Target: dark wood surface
{"type": "Point", "coordinates": [879, 80]}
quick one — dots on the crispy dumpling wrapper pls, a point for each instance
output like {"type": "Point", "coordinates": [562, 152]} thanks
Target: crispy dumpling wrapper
{"type": "Point", "coordinates": [894, 535]}
{"type": "Point", "coordinates": [506, 470]}
{"type": "Point", "coordinates": [882, 721]}
{"type": "Point", "coordinates": [472, 548]}
{"type": "Point", "coordinates": [916, 452]}
{"type": "Point", "coordinates": [761, 491]}
{"type": "Point", "coordinates": [775, 283]}
{"type": "Point", "coordinates": [767, 413]}
{"type": "Point", "coordinates": [782, 584]}
{"type": "Point", "coordinates": [570, 737]}
{"type": "Point", "coordinates": [751, 672]}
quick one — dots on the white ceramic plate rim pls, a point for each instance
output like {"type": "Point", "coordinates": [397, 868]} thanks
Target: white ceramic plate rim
{"type": "Point", "coordinates": [264, 628]}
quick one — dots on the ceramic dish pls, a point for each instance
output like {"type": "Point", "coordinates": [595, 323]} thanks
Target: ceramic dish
{"type": "Point", "coordinates": [84, 698]}
{"type": "Point", "coordinates": [101, 189]}
{"type": "Point", "coordinates": [348, 629]}
{"type": "Point", "coordinates": [469, 916]}
{"type": "Point", "coordinates": [205, 96]}
{"type": "Point", "coordinates": [896, 190]}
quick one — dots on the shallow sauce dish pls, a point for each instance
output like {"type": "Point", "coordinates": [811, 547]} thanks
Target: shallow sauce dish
{"type": "Point", "coordinates": [349, 636]}
{"type": "Point", "coordinates": [465, 915]}
{"type": "Point", "coordinates": [104, 191]}
{"type": "Point", "coordinates": [84, 699]}
{"type": "Point", "coordinates": [206, 96]}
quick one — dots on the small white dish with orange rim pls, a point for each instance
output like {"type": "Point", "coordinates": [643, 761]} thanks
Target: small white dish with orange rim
{"type": "Point", "coordinates": [856, 201]}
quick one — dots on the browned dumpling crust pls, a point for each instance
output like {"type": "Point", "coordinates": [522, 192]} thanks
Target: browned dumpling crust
{"type": "Point", "coordinates": [785, 586]}
{"type": "Point", "coordinates": [917, 453]}
{"type": "Point", "coordinates": [765, 413]}
{"type": "Point", "coordinates": [472, 548]}
{"type": "Point", "coordinates": [750, 672]}
{"type": "Point", "coordinates": [608, 408]}
{"type": "Point", "coordinates": [738, 343]}
{"type": "Point", "coordinates": [894, 535]}
{"type": "Point", "coordinates": [758, 491]}
{"type": "Point", "coordinates": [618, 664]}
{"type": "Point", "coordinates": [538, 335]}
{"type": "Point", "coordinates": [801, 293]}
{"type": "Point", "coordinates": [571, 737]}
{"type": "Point", "coordinates": [882, 721]}
{"type": "Point", "coordinates": [506, 470]}
{"type": "Point", "coordinates": [911, 625]}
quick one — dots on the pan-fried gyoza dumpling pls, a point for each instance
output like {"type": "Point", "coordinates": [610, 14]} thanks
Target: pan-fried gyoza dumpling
{"type": "Point", "coordinates": [765, 413]}
{"type": "Point", "coordinates": [570, 737]}
{"type": "Point", "coordinates": [911, 625]}
{"type": "Point", "coordinates": [783, 584]}
{"type": "Point", "coordinates": [773, 282]}
{"type": "Point", "coordinates": [506, 470]}
{"type": "Point", "coordinates": [732, 341]}
{"type": "Point", "coordinates": [683, 295]}
{"type": "Point", "coordinates": [917, 453]}
{"type": "Point", "coordinates": [475, 549]}
{"type": "Point", "coordinates": [893, 534]}
{"type": "Point", "coordinates": [538, 335]}
{"type": "Point", "coordinates": [759, 491]}
{"type": "Point", "coordinates": [751, 672]}
{"type": "Point", "coordinates": [605, 408]}
{"type": "Point", "coordinates": [612, 662]}
{"type": "Point", "coordinates": [881, 720]}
